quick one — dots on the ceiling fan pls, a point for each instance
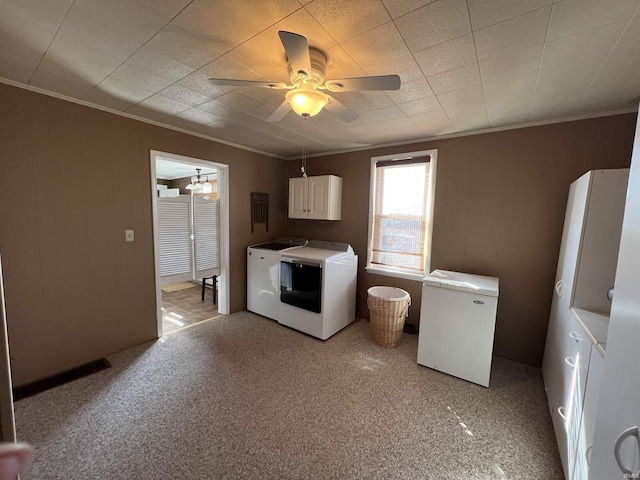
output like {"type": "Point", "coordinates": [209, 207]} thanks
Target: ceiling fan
{"type": "Point", "coordinates": [307, 68]}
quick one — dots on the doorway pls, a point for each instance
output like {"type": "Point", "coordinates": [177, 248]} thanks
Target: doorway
{"type": "Point", "coordinates": [185, 301]}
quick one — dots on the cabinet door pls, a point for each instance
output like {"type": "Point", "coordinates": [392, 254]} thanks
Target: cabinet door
{"type": "Point", "coordinates": [574, 406]}
{"type": "Point", "coordinates": [567, 397]}
{"type": "Point", "coordinates": [325, 197]}
{"type": "Point", "coordinates": [319, 197]}
{"type": "Point", "coordinates": [587, 426]}
{"type": "Point", "coordinates": [559, 421]}
{"type": "Point", "coordinates": [619, 400]}
{"type": "Point", "coordinates": [553, 366]}
{"type": "Point", "coordinates": [298, 188]}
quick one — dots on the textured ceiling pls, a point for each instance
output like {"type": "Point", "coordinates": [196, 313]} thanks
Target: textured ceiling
{"type": "Point", "coordinates": [168, 169]}
{"type": "Point", "coordinates": [465, 65]}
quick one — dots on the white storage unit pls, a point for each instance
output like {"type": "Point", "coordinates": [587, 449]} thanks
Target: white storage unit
{"type": "Point", "coordinates": [578, 322]}
{"type": "Point", "coordinates": [616, 442]}
{"type": "Point", "coordinates": [315, 198]}
{"type": "Point", "coordinates": [616, 446]}
{"type": "Point", "coordinates": [457, 324]}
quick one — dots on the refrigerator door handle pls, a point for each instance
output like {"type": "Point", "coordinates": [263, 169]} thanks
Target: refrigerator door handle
{"type": "Point", "coordinates": [560, 288]}
{"type": "Point", "coordinates": [633, 431]}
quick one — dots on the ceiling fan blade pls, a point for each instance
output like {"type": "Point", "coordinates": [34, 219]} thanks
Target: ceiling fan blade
{"type": "Point", "coordinates": [297, 49]}
{"type": "Point", "coordinates": [382, 82]}
{"type": "Point", "coordinates": [339, 110]}
{"type": "Point", "coordinates": [280, 112]}
{"type": "Point", "coordinates": [247, 83]}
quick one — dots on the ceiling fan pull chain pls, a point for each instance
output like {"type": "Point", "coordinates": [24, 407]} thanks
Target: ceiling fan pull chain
{"type": "Point", "coordinates": [303, 168]}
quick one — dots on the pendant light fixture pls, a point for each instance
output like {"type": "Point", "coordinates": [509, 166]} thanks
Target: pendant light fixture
{"type": "Point", "coordinates": [207, 187]}
{"type": "Point", "coordinates": [198, 186]}
{"type": "Point", "coordinates": [195, 186]}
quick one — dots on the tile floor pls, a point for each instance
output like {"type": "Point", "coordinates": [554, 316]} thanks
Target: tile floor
{"type": "Point", "coordinates": [185, 307]}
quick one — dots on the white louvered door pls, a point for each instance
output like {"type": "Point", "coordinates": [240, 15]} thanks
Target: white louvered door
{"type": "Point", "coordinates": [174, 239]}
{"type": "Point", "coordinates": [205, 237]}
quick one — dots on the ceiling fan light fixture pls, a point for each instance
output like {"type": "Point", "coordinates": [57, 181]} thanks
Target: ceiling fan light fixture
{"type": "Point", "coordinates": [306, 102]}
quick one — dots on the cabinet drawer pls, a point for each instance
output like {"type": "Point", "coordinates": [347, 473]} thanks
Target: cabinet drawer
{"type": "Point", "coordinates": [578, 355]}
{"type": "Point", "coordinates": [554, 369]}
{"type": "Point", "coordinates": [566, 363]}
{"type": "Point", "coordinates": [558, 419]}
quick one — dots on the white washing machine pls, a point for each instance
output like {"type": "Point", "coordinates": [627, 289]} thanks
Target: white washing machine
{"type": "Point", "coordinates": [318, 288]}
{"type": "Point", "coordinates": [457, 324]}
{"type": "Point", "coordinates": [263, 275]}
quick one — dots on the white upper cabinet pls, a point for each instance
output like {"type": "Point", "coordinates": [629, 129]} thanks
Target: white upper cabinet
{"type": "Point", "coordinates": [316, 198]}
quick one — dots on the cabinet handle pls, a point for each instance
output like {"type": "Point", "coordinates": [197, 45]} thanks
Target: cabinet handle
{"type": "Point", "coordinates": [569, 361]}
{"type": "Point", "coordinates": [629, 432]}
{"type": "Point", "coordinates": [561, 413]}
{"type": "Point", "coordinates": [575, 336]}
{"type": "Point", "coordinates": [587, 454]}
{"type": "Point", "coordinates": [560, 288]}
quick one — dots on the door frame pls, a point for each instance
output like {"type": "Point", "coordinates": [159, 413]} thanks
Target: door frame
{"type": "Point", "coordinates": [223, 197]}
{"type": "Point", "coordinates": [7, 416]}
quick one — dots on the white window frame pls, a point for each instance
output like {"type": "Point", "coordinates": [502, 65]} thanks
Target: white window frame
{"type": "Point", "coordinates": [398, 271]}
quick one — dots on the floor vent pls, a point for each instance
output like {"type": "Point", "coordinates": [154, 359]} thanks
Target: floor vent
{"type": "Point", "coordinates": [56, 380]}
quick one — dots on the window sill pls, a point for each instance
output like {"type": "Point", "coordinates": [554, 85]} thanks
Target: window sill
{"type": "Point", "coordinates": [394, 273]}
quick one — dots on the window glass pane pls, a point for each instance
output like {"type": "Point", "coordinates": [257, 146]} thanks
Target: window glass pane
{"type": "Point", "coordinates": [400, 234]}
{"type": "Point", "coordinates": [404, 190]}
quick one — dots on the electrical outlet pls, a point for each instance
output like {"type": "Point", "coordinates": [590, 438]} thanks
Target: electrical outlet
{"type": "Point", "coordinates": [128, 235]}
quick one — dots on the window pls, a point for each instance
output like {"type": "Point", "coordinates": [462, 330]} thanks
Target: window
{"type": "Point", "coordinates": [401, 214]}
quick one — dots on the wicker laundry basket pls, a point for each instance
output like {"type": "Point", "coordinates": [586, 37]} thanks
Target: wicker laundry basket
{"type": "Point", "coordinates": [388, 308]}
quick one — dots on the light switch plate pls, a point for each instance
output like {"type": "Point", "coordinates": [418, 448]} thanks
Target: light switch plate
{"type": "Point", "coordinates": [128, 235]}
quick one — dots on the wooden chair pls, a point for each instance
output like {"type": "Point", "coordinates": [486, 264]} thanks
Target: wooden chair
{"type": "Point", "coordinates": [214, 282]}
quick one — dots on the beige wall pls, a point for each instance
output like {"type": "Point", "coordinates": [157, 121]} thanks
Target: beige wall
{"type": "Point", "coordinates": [499, 210]}
{"type": "Point", "coordinates": [72, 180]}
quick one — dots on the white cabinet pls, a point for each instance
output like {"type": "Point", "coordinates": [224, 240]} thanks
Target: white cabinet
{"type": "Point", "coordinates": [578, 362]}
{"type": "Point", "coordinates": [567, 397]}
{"type": "Point", "coordinates": [316, 198]}
{"type": "Point", "coordinates": [586, 271]}
{"type": "Point", "coordinates": [618, 411]}
{"type": "Point", "coordinates": [584, 444]}
{"type": "Point", "coordinates": [553, 371]}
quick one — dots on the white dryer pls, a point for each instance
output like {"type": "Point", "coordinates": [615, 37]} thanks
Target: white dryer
{"type": "Point", "coordinates": [318, 288]}
{"type": "Point", "coordinates": [263, 275]}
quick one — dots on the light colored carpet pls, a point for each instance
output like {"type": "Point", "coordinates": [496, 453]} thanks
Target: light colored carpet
{"type": "Point", "coordinates": [174, 287]}
{"type": "Point", "coordinates": [241, 397]}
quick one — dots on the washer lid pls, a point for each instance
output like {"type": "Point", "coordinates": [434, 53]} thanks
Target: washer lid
{"type": "Point", "coordinates": [464, 282]}
{"type": "Point", "coordinates": [317, 254]}
{"type": "Point", "coordinates": [280, 244]}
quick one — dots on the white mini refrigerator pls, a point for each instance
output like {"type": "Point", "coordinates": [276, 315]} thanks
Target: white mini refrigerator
{"type": "Point", "coordinates": [457, 323]}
